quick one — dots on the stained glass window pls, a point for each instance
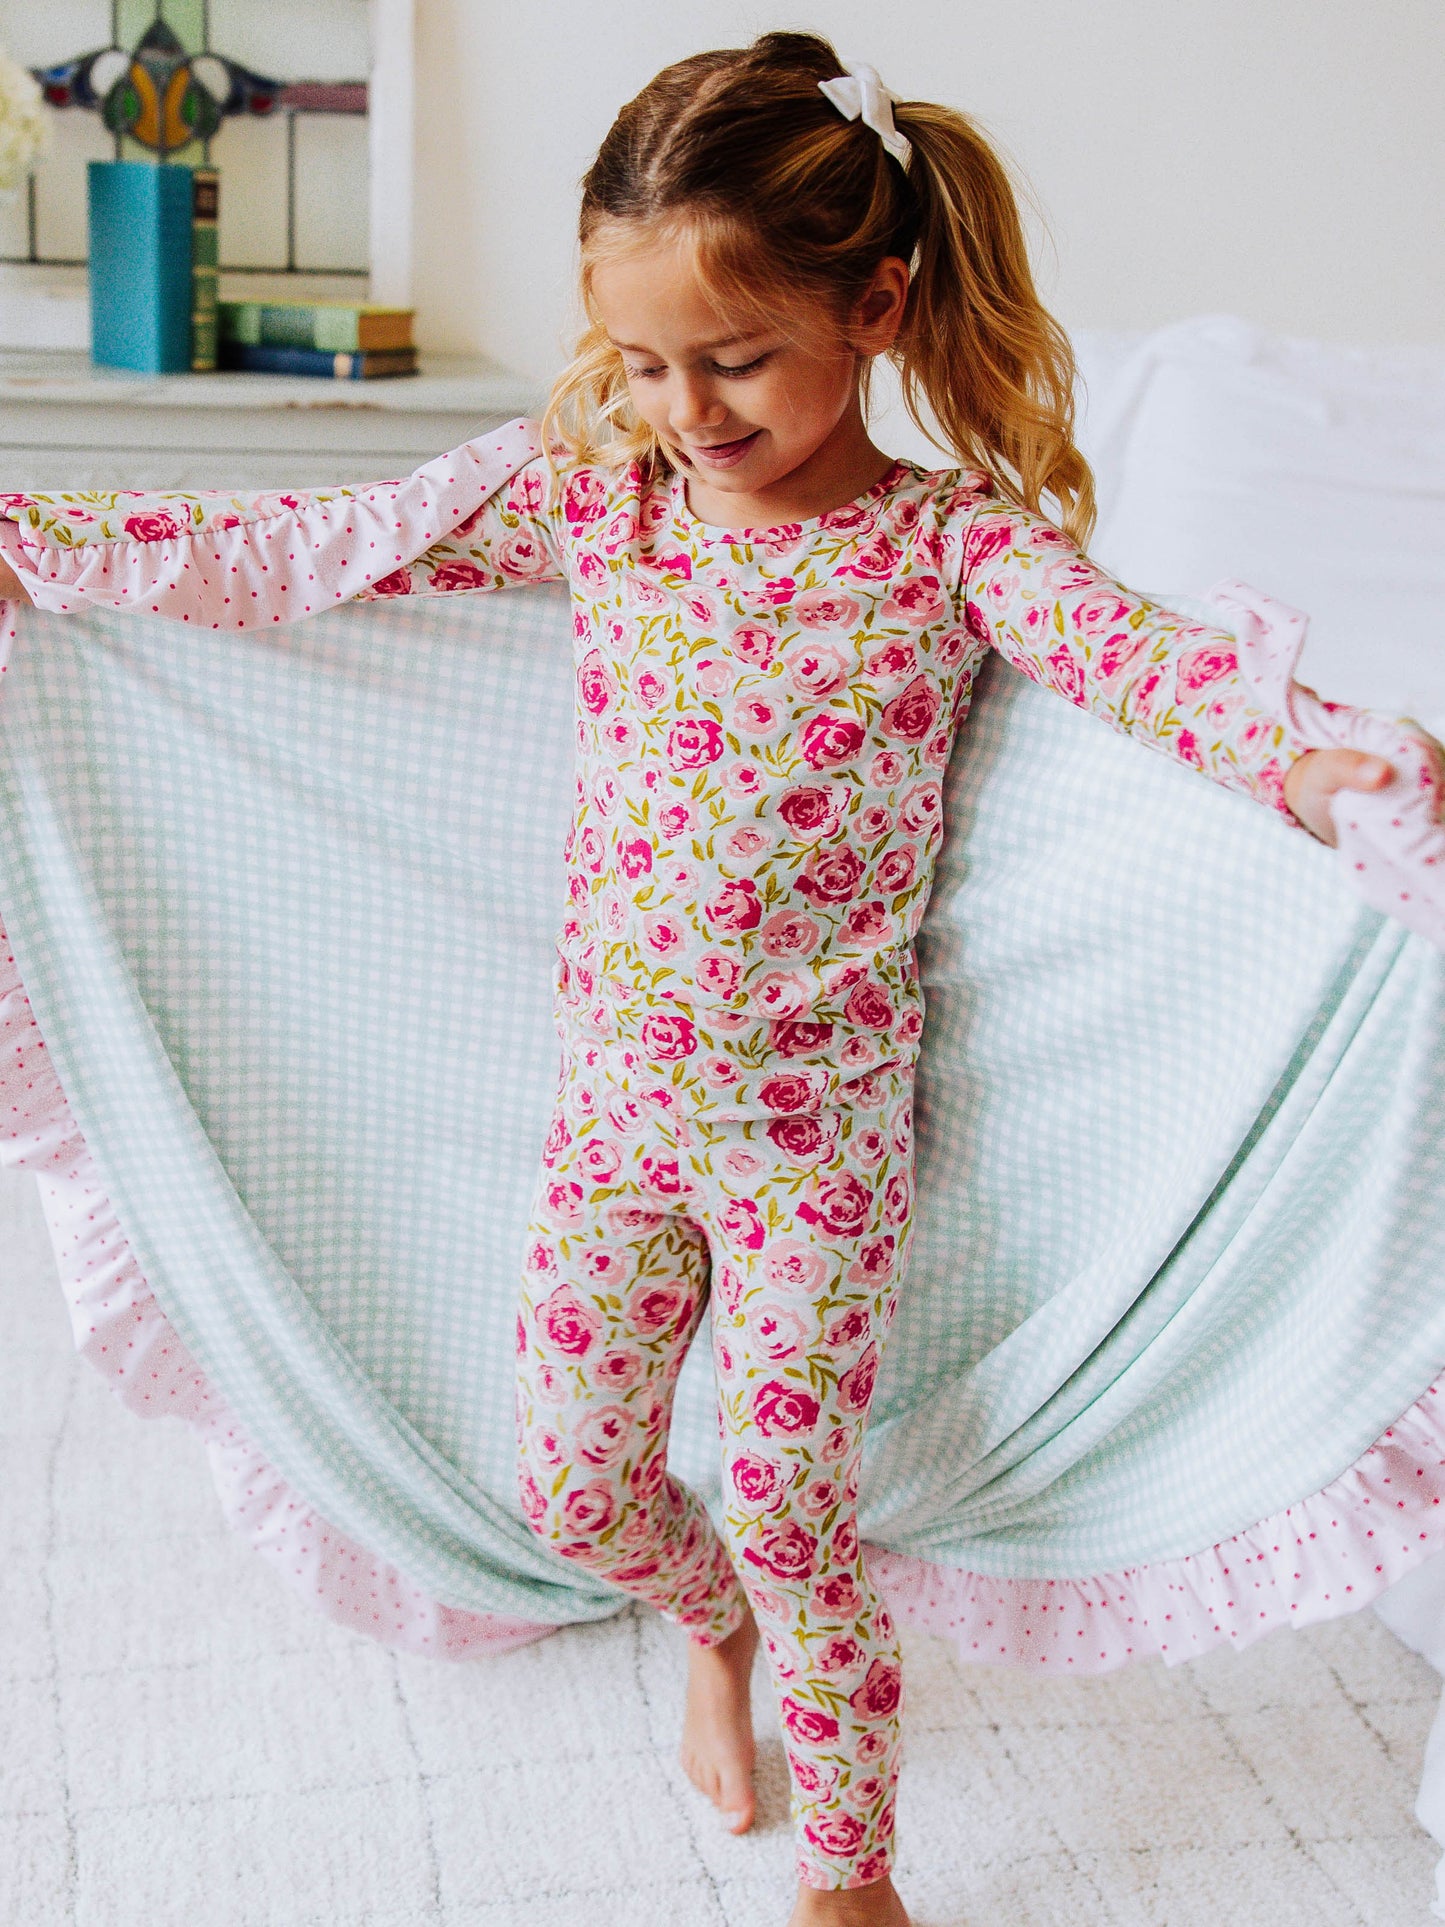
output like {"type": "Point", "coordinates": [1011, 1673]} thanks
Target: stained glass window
{"type": "Point", "coordinates": [271, 92]}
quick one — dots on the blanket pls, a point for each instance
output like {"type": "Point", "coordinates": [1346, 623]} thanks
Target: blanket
{"type": "Point", "coordinates": [283, 908]}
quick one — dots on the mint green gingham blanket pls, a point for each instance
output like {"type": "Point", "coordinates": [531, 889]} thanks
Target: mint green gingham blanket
{"type": "Point", "coordinates": [284, 908]}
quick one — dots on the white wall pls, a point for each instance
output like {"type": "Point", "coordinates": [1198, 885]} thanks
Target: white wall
{"type": "Point", "coordinates": [1282, 159]}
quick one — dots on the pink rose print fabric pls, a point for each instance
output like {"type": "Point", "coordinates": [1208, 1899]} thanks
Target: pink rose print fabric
{"type": "Point", "coordinates": [787, 1235]}
{"type": "Point", "coordinates": [764, 718]}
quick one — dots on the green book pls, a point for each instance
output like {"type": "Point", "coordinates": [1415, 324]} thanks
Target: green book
{"type": "Point", "coordinates": [328, 327]}
{"type": "Point", "coordinates": [205, 265]}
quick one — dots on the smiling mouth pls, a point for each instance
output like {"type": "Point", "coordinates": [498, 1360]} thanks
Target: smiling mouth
{"type": "Point", "coordinates": [723, 454]}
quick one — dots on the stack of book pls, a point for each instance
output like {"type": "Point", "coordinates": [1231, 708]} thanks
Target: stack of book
{"type": "Point", "coordinates": [347, 341]}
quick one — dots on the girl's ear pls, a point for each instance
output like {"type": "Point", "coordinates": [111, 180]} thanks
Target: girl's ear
{"type": "Point", "coordinates": [878, 315]}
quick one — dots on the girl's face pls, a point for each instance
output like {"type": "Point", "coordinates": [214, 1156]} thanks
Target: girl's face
{"type": "Point", "coordinates": [752, 415]}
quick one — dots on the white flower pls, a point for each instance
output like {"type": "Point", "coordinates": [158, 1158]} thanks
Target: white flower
{"type": "Point", "coordinates": [24, 127]}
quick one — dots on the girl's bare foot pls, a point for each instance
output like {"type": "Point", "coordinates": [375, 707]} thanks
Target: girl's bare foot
{"type": "Point", "coordinates": [717, 1750]}
{"type": "Point", "coordinates": [877, 1905]}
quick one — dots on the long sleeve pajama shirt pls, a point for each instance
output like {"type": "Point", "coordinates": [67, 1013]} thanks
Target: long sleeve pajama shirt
{"type": "Point", "coordinates": [764, 718]}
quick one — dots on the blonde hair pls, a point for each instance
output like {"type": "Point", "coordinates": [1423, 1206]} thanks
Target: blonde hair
{"type": "Point", "coordinates": [787, 205]}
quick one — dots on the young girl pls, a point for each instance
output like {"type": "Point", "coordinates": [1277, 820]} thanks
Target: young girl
{"type": "Point", "coordinates": [778, 630]}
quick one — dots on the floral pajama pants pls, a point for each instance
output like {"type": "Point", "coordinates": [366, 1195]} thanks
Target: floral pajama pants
{"type": "Point", "coordinates": [794, 1230]}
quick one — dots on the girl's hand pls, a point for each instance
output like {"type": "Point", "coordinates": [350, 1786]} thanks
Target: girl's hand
{"type": "Point", "coordinates": [1313, 778]}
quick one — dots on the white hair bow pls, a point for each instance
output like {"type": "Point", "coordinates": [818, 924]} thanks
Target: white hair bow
{"type": "Point", "coordinates": [860, 91]}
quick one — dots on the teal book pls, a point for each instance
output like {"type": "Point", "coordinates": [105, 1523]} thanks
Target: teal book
{"type": "Point", "coordinates": [141, 216]}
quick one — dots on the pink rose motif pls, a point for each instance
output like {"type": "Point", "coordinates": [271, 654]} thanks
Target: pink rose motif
{"type": "Point", "coordinates": [837, 1597]}
{"type": "Point", "coordinates": [397, 583]}
{"type": "Point", "coordinates": [458, 575]}
{"type": "Point", "coordinates": [664, 934]}
{"type": "Point", "coordinates": [741, 1223]}
{"type": "Point", "coordinates": [589, 1508]}
{"type": "Point", "coordinates": [838, 1205]}
{"type": "Point", "coordinates": [634, 858]}
{"type": "Point", "coordinates": [1065, 673]}
{"type": "Point", "coordinates": [567, 1324]}
{"type": "Point", "coordinates": [816, 670]}
{"type": "Point", "coordinates": [661, 1176]}
{"type": "Point", "coordinates": [1145, 690]}
{"type": "Point", "coordinates": [756, 1481]}
{"type": "Point", "coordinates": [912, 713]}
{"type": "Point", "coordinates": [917, 601]}
{"type": "Point", "coordinates": [868, 925]}
{"type": "Point", "coordinates": [896, 869]}
{"type": "Point", "coordinates": [873, 560]}
{"type": "Point", "coordinates": [836, 1834]}
{"type": "Point", "coordinates": [1186, 748]}
{"type": "Point", "coordinates": [621, 530]}
{"type": "Point", "coordinates": [753, 716]}
{"type": "Point", "coordinates": [780, 993]}
{"type": "Point", "coordinates": [779, 592]}
{"type": "Point", "coordinates": [897, 1199]}
{"type": "Point", "coordinates": [784, 1550]}
{"type": "Point", "coordinates": [1116, 654]}
{"type": "Point", "coordinates": [886, 769]}
{"type": "Point", "coordinates": [798, 1137]}
{"type": "Point", "coordinates": [651, 1307]}
{"type": "Point", "coordinates": [158, 526]}
{"type": "Point", "coordinates": [780, 1410]}
{"type": "Point", "coordinates": [865, 1792]}
{"type": "Point", "coordinates": [564, 1202]}
{"type": "Point", "coordinates": [873, 1262]}
{"type": "Point", "coordinates": [809, 810]}
{"type": "Point", "coordinates": [867, 1147]}
{"type": "Point", "coordinates": [779, 1333]}
{"type": "Point", "coordinates": [854, 1324]}
{"type": "Point", "coordinates": [714, 678]}
{"type": "Point", "coordinates": [879, 1696]}
{"type": "Point", "coordinates": [525, 495]}
{"type": "Point", "coordinates": [643, 595]}
{"type": "Point", "coordinates": [584, 498]}
{"type": "Point", "coordinates": [845, 1540]}
{"type": "Point", "coordinates": [604, 1435]}
{"type": "Point", "coordinates": [948, 649]}
{"type": "Point", "coordinates": [787, 1093]}
{"type": "Point", "coordinates": [701, 608]}
{"type": "Point", "coordinates": [718, 975]}
{"type": "Point", "coordinates": [1095, 613]}
{"type": "Point", "coordinates": [827, 609]}
{"type": "Point", "coordinates": [831, 876]}
{"type": "Point", "coordinates": [873, 822]}
{"type": "Point", "coordinates": [806, 1724]}
{"type": "Point", "coordinates": [789, 933]}
{"type": "Point", "coordinates": [741, 779]}
{"type": "Point", "coordinates": [533, 1504]}
{"type": "Point", "coordinates": [541, 1258]}
{"type": "Point", "coordinates": [800, 1037]}
{"type": "Point", "coordinates": [855, 1387]}
{"type": "Point", "coordinates": [666, 1037]}
{"type": "Point", "coordinates": [872, 1867]}
{"type": "Point", "coordinates": [677, 564]}
{"type": "Point", "coordinates": [735, 906]}
{"type": "Point", "coordinates": [592, 569]}
{"type": "Point", "coordinates": [839, 1653]}
{"type": "Point", "coordinates": [827, 742]}
{"type": "Point", "coordinates": [989, 536]}
{"type": "Point", "coordinates": [790, 1263]}
{"type": "Point", "coordinates": [753, 645]}
{"type": "Point", "coordinates": [523, 558]}
{"type": "Point", "coordinates": [650, 689]}
{"type": "Point", "coordinates": [618, 1369]}
{"type": "Point", "coordinates": [813, 1779]}
{"type": "Point", "coordinates": [558, 1138]}
{"type": "Point", "coordinates": [601, 1160]}
{"type": "Point", "coordinates": [694, 742]}
{"type": "Point", "coordinates": [1198, 668]}
{"type": "Point", "coordinates": [892, 662]}
{"type": "Point", "coordinates": [676, 820]}
{"type": "Point", "coordinates": [869, 1007]}
{"type": "Point", "coordinates": [922, 808]}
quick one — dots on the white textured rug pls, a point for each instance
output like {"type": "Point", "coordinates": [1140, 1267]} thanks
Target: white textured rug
{"type": "Point", "coordinates": [184, 1743]}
